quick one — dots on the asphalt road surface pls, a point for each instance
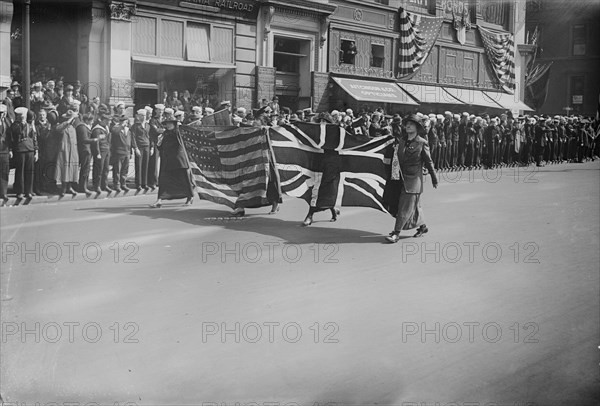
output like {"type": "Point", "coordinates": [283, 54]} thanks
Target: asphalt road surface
{"type": "Point", "coordinates": [110, 301]}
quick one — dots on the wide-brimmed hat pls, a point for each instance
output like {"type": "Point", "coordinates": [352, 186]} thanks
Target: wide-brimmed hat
{"type": "Point", "coordinates": [68, 88]}
{"type": "Point", "coordinates": [71, 113]}
{"type": "Point", "coordinates": [47, 105]}
{"type": "Point", "coordinates": [415, 119]}
{"type": "Point", "coordinates": [15, 83]}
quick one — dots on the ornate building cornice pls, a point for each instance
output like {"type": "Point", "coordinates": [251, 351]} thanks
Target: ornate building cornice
{"type": "Point", "coordinates": [121, 11]}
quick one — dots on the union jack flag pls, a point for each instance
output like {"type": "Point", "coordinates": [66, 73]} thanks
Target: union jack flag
{"type": "Point", "coordinates": [299, 151]}
{"type": "Point", "coordinates": [417, 36]}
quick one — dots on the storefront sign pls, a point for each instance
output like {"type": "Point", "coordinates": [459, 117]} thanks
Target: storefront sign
{"type": "Point", "coordinates": [246, 7]}
{"type": "Point", "coordinates": [577, 99]}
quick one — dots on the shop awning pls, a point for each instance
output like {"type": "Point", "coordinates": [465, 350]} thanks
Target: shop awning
{"type": "Point", "coordinates": [508, 101]}
{"type": "Point", "coordinates": [376, 92]}
{"type": "Point", "coordinates": [182, 64]}
{"type": "Point", "coordinates": [474, 97]}
{"type": "Point", "coordinates": [429, 94]}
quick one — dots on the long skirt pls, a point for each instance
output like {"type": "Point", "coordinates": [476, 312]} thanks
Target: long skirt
{"type": "Point", "coordinates": [175, 184]}
{"type": "Point", "coordinates": [410, 213]}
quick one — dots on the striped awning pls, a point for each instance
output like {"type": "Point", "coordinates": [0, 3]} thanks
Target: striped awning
{"type": "Point", "coordinates": [508, 101]}
{"type": "Point", "coordinates": [473, 97]}
{"type": "Point", "coordinates": [375, 91]}
{"type": "Point", "coordinates": [429, 93]}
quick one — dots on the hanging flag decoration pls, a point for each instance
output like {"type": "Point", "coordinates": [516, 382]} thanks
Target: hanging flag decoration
{"type": "Point", "coordinates": [461, 20]}
{"type": "Point", "coordinates": [417, 36]}
{"type": "Point", "coordinates": [536, 86]}
{"type": "Point", "coordinates": [500, 49]}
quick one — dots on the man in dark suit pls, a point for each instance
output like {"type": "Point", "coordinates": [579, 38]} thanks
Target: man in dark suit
{"type": "Point", "coordinates": [101, 153]}
{"type": "Point", "coordinates": [121, 148]}
{"type": "Point", "coordinates": [141, 144]}
{"type": "Point", "coordinates": [4, 156]}
{"type": "Point", "coordinates": [22, 144]}
{"type": "Point", "coordinates": [84, 150]}
{"type": "Point", "coordinates": [539, 142]}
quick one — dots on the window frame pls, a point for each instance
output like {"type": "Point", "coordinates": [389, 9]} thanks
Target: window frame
{"type": "Point", "coordinates": [583, 41]}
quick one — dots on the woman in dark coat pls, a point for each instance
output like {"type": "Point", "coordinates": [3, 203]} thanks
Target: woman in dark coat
{"type": "Point", "coordinates": [324, 194]}
{"type": "Point", "coordinates": [403, 189]}
{"type": "Point", "coordinates": [175, 177]}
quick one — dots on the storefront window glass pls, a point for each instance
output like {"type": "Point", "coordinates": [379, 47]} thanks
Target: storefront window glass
{"type": "Point", "coordinates": [198, 42]}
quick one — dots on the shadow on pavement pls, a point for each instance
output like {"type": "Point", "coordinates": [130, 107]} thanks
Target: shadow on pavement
{"type": "Point", "coordinates": [291, 232]}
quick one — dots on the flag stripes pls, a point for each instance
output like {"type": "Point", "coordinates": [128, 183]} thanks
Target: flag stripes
{"type": "Point", "coordinates": [229, 166]}
{"type": "Point", "coordinates": [417, 36]}
{"type": "Point", "coordinates": [500, 49]}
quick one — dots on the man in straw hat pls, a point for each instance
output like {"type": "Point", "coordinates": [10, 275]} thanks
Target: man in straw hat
{"type": "Point", "coordinates": [405, 185]}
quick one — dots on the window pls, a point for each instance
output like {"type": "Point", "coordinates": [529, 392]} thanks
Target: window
{"type": "Point", "coordinates": [577, 88]}
{"type": "Point", "coordinates": [421, 3]}
{"type": "Point", "coordinates": [579, 39]}
{"type": "Point", "coordinates": [287, 54]}
{"type": "Point", "coordinates": [348, 52]}
{"type": "Point", "coordinates": [495, 12]}
{"type": "Point", "coordinates": [198, 42]}
{"type": "Point", "coordinates": [377, 55]}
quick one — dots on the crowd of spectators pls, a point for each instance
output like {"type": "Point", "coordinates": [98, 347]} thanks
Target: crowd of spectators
{"type": "Point", "coordinates": [55, 143]}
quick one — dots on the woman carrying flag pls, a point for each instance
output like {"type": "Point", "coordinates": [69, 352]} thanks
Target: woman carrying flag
{"type": "Point", "coordinates": [404, 186]}
{"type": "Point", "coordinates": [175, 177]}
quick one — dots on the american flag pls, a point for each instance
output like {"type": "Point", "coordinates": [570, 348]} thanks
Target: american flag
{"type": "Point", "coordinates": [299, 150]}
{"type": "Point", "coordinates": [230, 165]}
{"type": "Point", "coordinates": [417, 36]}
{"type": "Point", "coordinates": [500, 49]}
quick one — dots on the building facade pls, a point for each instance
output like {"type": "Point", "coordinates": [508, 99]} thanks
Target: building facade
{"type": "Point", "coordinates": [365, 41]}
{"type": "Point", "coordinates": [569, 38]}
{"type": "Point", "coordinates": [323, 54]}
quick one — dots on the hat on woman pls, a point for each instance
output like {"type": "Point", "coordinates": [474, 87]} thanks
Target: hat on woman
{"type": "Point", "coordinates": [72, 112]}
{"type": "Point", "coordinates": [21, 110]}
{"type": "Point", "coordinates": [47, 105]}
{"type": "Point", "coordinates": [415, 119]}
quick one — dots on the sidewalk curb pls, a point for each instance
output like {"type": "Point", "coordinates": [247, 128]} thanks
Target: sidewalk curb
{"type": "Point", "coordinates": [14, 202]}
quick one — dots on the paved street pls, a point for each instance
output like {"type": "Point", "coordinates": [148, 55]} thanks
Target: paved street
{"type": "Point", "coordinates": [110, 301]}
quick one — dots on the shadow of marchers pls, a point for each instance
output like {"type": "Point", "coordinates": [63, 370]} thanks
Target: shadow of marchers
{"type": "Point", "coordinates": [291, 232]}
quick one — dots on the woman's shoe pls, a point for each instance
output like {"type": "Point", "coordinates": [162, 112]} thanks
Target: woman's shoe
{"type": "Point", "coordinates": [239, 212]}
{"type": "Point", "coordinates": [307, 221]}
{"type": "Point", "coordinates": [334, 214]}
{"type": "Point", "coordinates": [421, 230]}
{"type": "Point", "coordinates": [275, 208]}
{"type": "Point", "coordinates": [393, 238]}
{"type": "Point", "coordinates": [189, 201]}
{"type": "Point", "coordinates": [156, 205]}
